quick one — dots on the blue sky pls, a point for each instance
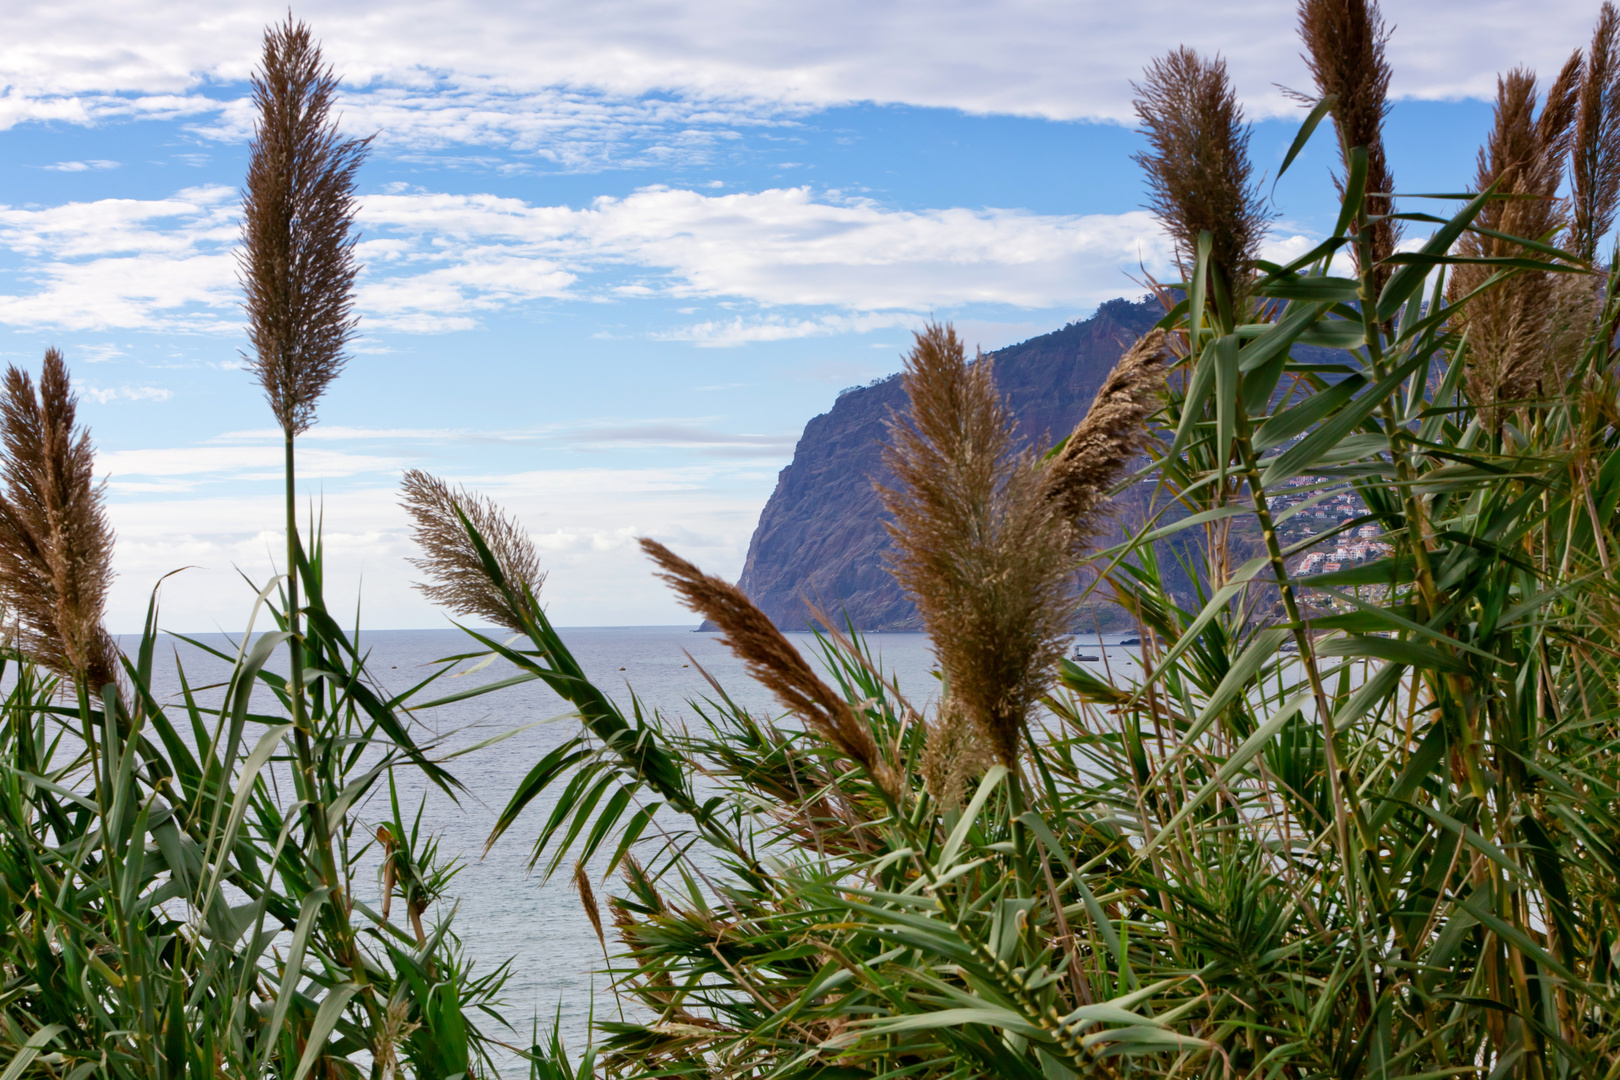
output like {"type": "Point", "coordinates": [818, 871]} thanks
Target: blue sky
{"type": "Point", "coordinates": [616, 254]}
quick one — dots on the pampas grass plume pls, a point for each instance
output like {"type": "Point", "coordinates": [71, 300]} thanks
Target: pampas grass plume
{"type": "Point", "coordinates": [1344, 42]}
{"type": "Point", "coordinates": [1595, 153]}
{"type": "Point", "coordinates": [1111, 433]}
{"type": "Point", "coordinates": [1509, 326]}
{"type": "Point", "coordinates": [1198, 170]}
{"type": "Point", "coordinates": [458, 579]}
{"type": "Point", "coordinates": [773, 661]}
{"type": "Point", "coordinates": [56, 544]}
{"type": "Point", "coordinates": [587, 899]}
{"type": "Point", "coordinates": [978, 544]}
{"type": "Point", "coordinates": [297, 264]}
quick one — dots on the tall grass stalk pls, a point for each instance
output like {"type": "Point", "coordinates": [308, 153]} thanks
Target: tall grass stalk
{"type": "Point", "coordinates": [167, 907]}
{"type": "Point", "coordinates": [298, 271]}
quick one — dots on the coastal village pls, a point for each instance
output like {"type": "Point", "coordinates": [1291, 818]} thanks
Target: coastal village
{"type": "Point", "coordinates": [1303, 512]}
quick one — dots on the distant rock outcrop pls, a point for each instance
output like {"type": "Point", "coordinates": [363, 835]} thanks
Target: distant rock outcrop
{"type": "Point", "coordinates": [822, 533]}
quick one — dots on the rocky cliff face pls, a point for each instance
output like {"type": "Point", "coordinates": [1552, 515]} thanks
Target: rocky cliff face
{"type": "Point", "coordinates": [821, 535]}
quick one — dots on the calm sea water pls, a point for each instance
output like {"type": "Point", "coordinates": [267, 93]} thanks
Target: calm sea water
{"type": "Point", "coordinates": [506, 912]}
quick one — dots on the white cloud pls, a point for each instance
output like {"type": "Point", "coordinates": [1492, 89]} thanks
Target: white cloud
{"type": "Point", "coordinates": [439, 262]}
{"type": "Point", "coordinates": [143, 264]}
{"type": "Point", "coordinates": [125, 393]}
{"type": "Point", "coordinates": [782, 246]}
{"type": "Point", "coordinates": [571, 82]}
{"type": "Point", "coordinates": [81, 166]}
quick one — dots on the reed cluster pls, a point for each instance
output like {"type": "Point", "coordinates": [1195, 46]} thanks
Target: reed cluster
{"type": "Point", "coordinates": [1354, 823]}
{"type": "Point", "coordinates": [1351, 823]}
{"type": "Point", "coordinates": [182, 882]}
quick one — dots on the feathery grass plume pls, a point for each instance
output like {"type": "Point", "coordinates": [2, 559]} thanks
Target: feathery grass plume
{"type": "Point", "coordinates": [55, 542]}
{"type": "Point", "coordinates": [954, 752]}
{"type": "Point", "coordinates": [774, 662]}
{"type": "Point", "coordinates": [1508, 327]}
{"type": "Point", "coordinates": [978, 544]}
{"type": "Point", "coordinates": [587, 899]}
{"type": "Point", "coordinates": [297, 264]}
{"type": "Point", "coordinates": [1111, 433]}
{"type": "Point", "coordinates": [1344, 41]}
{"type": "Point", "coordinates": [1198, 169]}
{"type": "Point", "coordinates": [1595, 155]}
{"type": "Point", "coordinates": [1594, 191]}
{"type": "Point", "coordinates": [450, 559]}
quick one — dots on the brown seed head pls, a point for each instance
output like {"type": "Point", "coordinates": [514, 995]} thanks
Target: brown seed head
{"type": "Point", "coordinates": [1509, 325]}
{"type": "Point", "coordinates": [954, 753]}
{"type": "Point", "coordinates": [55, 542]}
{"type": "Point", "coordinates": [1595, 155]}
{"type": "Point", "coordinates": [1112, 432]}
{"type": "Point", "coordinates": [1344, 42]}
{"type": "Point", "coordinates": [450, 559]}
{"type": "Point", "coordinates": [587, 899]}
{"type": "Point", "coordinates": [297, 264]}
{"type": "Point", "coordinates": [978, 544]}
{"type": "Point", "coordinates": [1198, 170]}
{"type": "Point", "coordinates": [773, 661]}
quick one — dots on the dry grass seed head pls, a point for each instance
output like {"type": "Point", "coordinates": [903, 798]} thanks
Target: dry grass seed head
{"type": "Point", "coordinates": [587, 899]}
{"type": "Point", "coordinates": [774, 662]}
{"type": "Point", "coordinates": [954, 753]}
{"type": "Point", "coordinates": [1344, 42]}
{"type": "Point", "coordinates": [1198, 170]}
{"type": "Point", "coordinates": [297, 264]}
{"type": "Point", "coordinates": [56, 544]}
{"type": "Point", "coordinates": [458, 580]}
{"type": "Point", "coordinates": [978, 545]}
{"type": "Point", "coordinates": [1595, 150]}
{"type": "Point", "coordinates": [1509, 325]}
{"type": "Point", "coordinates": [1111, 433]}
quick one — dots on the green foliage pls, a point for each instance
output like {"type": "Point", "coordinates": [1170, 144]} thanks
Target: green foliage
{"type": "Point", "coordinates": [1354, 824]}
{"type": "Point", "coordinates": [166, 908]}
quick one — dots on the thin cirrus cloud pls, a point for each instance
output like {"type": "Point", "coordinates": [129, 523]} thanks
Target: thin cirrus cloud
{"type": "Point", "coordinates": [702, 440]}
{"type": "Point", "coordinates": [440, 262]}
{"type": "Point", "coordinates": [727, 333]}
{"type": "Point", "coordinates": [188, 467]}
{"type": "Point", "coordinates": [697, 435]}
{"type": "Point", "coordinates": [96, 164]}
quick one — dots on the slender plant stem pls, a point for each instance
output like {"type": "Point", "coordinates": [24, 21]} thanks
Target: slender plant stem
{"type": "Point", "coordinates": [314, 805]}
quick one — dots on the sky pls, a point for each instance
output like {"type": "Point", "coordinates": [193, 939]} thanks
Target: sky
{"type": "Point", "coordinates": [616, 254]}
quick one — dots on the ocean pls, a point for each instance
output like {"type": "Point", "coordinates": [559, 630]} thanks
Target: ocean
{"type": "Point", "coordinates": [503, 911]}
